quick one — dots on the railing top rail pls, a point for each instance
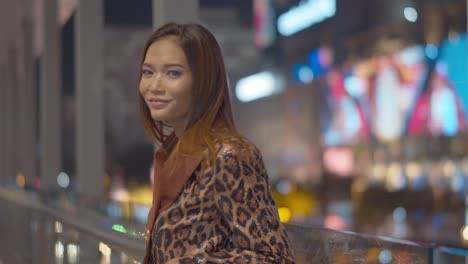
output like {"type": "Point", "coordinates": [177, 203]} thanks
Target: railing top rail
{"type": "Point", "coordinates": [80, 221]}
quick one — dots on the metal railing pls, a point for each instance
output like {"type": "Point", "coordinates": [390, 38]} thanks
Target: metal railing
{"type": "Point", "coordinates": [37, 231]}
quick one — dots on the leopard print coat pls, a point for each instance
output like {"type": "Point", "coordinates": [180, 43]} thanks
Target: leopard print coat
{"type": "Point", "coordinates": [224, 214]}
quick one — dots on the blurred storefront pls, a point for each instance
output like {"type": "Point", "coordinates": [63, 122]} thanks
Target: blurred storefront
{"type": "Point", "coordinates": [368, 131]}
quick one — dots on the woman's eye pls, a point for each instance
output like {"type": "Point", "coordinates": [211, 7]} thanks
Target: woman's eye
{"type": "Point", "coordinates": [146, 72]}
{"type": "Point", "coordinates": [174, 73]}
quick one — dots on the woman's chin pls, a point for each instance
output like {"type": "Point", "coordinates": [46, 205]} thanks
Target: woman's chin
{"type": "Point", "coordinates": [157, 118]}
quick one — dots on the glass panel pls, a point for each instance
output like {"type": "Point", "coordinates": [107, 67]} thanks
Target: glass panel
{"type": "Point", "coordinates": [451, 255]}
{"type": "Point", "coordinates": [34, 231]}
{"type": "Point", "coordinates": [317, 245]}
{"type": "Point", "coordinates": [38, 233]}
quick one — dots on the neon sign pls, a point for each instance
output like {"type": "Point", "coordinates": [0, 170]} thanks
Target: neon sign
{"type": "Point", "coordinates": [259, 85]}
{"type": "Point", "coordinates": [305, 15]}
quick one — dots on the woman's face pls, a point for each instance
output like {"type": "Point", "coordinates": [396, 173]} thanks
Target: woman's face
{"type": "Point", "coordinates": [166, 83]}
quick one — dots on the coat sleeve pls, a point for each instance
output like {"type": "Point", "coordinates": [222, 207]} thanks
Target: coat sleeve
{"type": "Point", "coordinates": [248, 212]}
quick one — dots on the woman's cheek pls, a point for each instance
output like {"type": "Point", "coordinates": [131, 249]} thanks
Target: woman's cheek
{"type": "Point", "coordinates": [143, 86]}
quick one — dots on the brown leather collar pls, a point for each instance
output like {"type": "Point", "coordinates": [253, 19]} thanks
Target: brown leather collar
{"type": "Point", "coordinates": [170, 175]}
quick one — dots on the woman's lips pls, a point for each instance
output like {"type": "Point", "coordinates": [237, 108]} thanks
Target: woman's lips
{"type": "Point", "coordinates": [157, 103]}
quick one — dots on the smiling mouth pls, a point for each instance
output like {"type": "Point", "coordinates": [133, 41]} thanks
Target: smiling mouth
{"type": "Point", "coordinates": [157, 103]}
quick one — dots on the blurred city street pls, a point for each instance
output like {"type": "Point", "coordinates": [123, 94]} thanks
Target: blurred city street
{"type": "Point", "coordinates": [359, 108]}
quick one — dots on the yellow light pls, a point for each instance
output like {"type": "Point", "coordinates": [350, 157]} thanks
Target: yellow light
{"type": "Point", "coordinates": [284, 214]}
{"type": "Point", "coordinates": [413, 170]}
{"type": "Point", "coordinates": [58, 227]}
{"type": "Point", "coordinates": [393, 178]}
{"type": "Point", "coordinates": [394, 169]}
{"type": "Point", "coordinates": [300, 203]}
{"type": "Point", "coordinates": [373, 254]}
{"type": "Point", "coordinates": [141, 195]}
{"type": "Point", "coordinates": [465, 233]}
{"type": "Point", "coordinates": [73, 252]}
{"type": "Point", "coordinates": [449, 169]}
{"type": "Point", "coordinates": [20, 179]}
{"type": "Point", "coordinates": [105, 250]}
{"type": "Point", "coordinates": [378, 171]}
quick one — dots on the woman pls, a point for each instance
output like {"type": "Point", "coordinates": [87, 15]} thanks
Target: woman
{"type": "Point", "coordinates": [211, 196]}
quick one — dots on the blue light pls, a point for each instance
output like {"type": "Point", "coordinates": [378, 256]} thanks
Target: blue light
{"type": "Point", "coordinates": [441, 68]}
{"type": "Point", "coordinates": [355, 86]}
{"type": "Point", "coordinates": [431, 51]}
{"type": "Point", "coordinates": [389, 123]}
{"type": "Point", "coordinates": [444, 110]}
{"type": "Point", "coordinates": [314, 62]}
{"type": "Point", "coordinates": [305, 15]}
{"type": "Point", "coordinates": [438, 220]}
{"type": "Point", "coordinates": [303, 73]}
{"type": "Point", "coordinates": [352, 122]}
{"type": "Point", "coordinates": [306, 75]}
{"type": "Point", "coordinates": [284, 186]}
{"type": "Point", "coordinates": [411, 56]}
{"type": "Point", "coordinates": [385, 256]}
{"type": "Point", "coordinates": [454, 54]}
{"type": "Point", "coordinates": [410, 14]}
{"type": "Point", "coordinates": [458, 184]}
{"type": "Point", "coordinates": [399, 215]}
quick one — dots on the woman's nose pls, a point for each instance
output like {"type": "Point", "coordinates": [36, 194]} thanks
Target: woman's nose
{"type": "Point", "coordinates": [155, 84]}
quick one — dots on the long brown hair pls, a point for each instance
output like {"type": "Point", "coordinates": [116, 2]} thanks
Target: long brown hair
{"type": "Point", "coordinates": [211, 105]}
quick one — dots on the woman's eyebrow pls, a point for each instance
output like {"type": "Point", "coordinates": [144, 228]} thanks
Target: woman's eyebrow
{"type": "Point", "coordinates": [165, 66]}
{"type": "Point", "coordinates": [145, 64]}
{"type": "Point", "coordinates": [170, 65]}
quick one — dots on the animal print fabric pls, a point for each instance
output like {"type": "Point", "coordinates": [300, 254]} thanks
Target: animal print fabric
{"type": "Point", "coordinates": [224, 214]}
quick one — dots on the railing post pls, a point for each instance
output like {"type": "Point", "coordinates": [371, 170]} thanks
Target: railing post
{"type": "Point", "coordinates": [433, 255]}
{"type": "Point", "coordinates": [46, 247]}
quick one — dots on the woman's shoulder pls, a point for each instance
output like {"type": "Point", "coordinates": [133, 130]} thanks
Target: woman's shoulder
{"type": "Point", "coordinates": [234, 143]}
{"type": "Point", "coordinates": [236, 146]}
{"type": "Point", "coordinates": [238, 159]}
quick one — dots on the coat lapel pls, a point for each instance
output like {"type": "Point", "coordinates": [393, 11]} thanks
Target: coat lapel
{"type": "Point", "coordinates": [174, 174]}
{"type": "Point", "coordinates": [170, 176]}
